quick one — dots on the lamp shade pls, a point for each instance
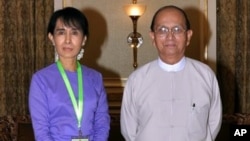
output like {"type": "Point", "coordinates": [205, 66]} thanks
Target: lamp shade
{"type": "Point", "coordinates": [134, 9]}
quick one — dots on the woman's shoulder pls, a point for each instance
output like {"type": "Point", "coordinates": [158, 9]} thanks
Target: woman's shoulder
{"type": "Point", "coordinates": [90, 71]}
{"type": "Point", "coordinates": [48, 69]}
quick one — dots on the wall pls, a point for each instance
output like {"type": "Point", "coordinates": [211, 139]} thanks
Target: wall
{"type": "Point", "coordinates": [107, 49]}
{"type": "Point", "coordinates": [212, 43]}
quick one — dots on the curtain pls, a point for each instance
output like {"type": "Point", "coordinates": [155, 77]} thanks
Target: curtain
{"type": "Point", "coordinates": [233, 54]}
{"type": "Point", "coordinates": [24, 48]}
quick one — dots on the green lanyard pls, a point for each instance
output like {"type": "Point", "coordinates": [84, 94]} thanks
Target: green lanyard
{"type": "Point", "coordinates": [77, 107]}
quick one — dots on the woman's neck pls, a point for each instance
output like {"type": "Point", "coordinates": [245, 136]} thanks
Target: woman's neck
{"type": "Point", "coordinates": [69, 65]}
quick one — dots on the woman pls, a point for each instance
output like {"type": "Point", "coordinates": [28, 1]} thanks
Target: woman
{"type": "Point", "coordinates": [67, 100]}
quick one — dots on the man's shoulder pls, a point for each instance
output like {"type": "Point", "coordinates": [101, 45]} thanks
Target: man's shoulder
{"type": "Point", "coordinates": [196, 62]}
{"type": "Point", "coordinates": [144, 70]}
{"type": "Point", "coordinates": [146, 67]}
{"type": "Point", "coordinates": [198, 65]}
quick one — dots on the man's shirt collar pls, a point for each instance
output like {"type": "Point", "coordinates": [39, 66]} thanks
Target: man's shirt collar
{"type": "Point", "coordinates": [172, 68]}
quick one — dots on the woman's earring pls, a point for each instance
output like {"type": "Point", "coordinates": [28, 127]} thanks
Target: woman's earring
{"type": "Point", "coordinates": [80, 55]}
{"type": "Point", "coordinates": [56, 56]}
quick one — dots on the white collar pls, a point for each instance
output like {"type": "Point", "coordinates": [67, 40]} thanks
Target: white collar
{"type": "Point", "coordinates": [172, 68]}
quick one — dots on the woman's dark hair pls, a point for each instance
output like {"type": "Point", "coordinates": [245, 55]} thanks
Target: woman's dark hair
{"type": "Point", "coordinates": [70, 17]}
{"type": "Point", "coordinates": [169, 7]}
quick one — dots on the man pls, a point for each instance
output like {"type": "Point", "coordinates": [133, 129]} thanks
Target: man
{"type": "Point", "coordinates": [173, 98]}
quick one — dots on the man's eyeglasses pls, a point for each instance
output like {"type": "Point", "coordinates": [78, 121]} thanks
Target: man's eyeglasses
{"type": "Point", "coordinates": [164, 31]}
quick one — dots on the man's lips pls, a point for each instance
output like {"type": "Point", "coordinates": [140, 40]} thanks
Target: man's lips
{"type": "Point", "coordinates": [169, 45]}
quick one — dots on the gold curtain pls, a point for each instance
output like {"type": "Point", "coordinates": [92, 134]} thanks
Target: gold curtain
{"type": "Point", "coordinates": [24, 48]}
{"type": "Point", "coordinates": [233, 54]}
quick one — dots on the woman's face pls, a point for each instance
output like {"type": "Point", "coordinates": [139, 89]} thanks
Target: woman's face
{"type": "Point", "coordinates": [67, 40]}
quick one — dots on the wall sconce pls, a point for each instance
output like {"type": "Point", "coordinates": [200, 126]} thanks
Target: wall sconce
{"type": "Point", "coordinates": [134, 39]}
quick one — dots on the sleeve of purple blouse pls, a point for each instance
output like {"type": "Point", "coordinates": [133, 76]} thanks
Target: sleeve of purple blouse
{"type": "Point", "coordinates": [39, 110]}
{"type": "Point", "coordinates": [102, 118]}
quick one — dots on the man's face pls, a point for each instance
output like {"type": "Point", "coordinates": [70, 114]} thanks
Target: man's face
{"type": "Point", "coordinates": [170, 35]}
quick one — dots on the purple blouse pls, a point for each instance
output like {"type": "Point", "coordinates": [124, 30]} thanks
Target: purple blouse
{"type": "Point", "coordinates": [52, 112]}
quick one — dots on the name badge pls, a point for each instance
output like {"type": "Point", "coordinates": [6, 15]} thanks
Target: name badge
{"type": "Point", "coordinates": [81, 138]}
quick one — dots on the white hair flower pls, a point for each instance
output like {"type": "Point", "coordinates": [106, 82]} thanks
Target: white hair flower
{"type": "Point", "coordinates": [80, 54]}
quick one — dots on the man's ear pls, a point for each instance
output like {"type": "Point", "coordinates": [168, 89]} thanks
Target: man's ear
{"type": "Point", "coordinates": [50, 36]}
{"type": "Point", "coordinates": [152, 36]}
{"type": "Point", "coordinates": [189, 36]}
